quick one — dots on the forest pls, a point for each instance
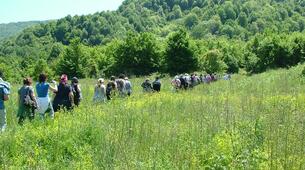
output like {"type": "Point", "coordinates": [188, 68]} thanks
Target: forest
{"type": "Point", "coordinates": [165, 36]}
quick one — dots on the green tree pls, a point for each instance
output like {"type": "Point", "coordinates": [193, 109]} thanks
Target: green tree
{"type": "Point", "coordinates": [243, 19]}
{"type": "Point", "coordinates": [191, 20]}
{"type": "Point", "coordinates": [138, 54]}
{"type": "Point", "coordinates": [179, 56]}
{"type": "Point", "coordinates": [41, 66]}
{"type": "Point", "coordinates": [212, 62]}
{"type": "Point", "coordinates": [73, 61]}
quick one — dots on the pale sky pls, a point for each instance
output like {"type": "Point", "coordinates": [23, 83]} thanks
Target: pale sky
{"type": "Point", "coordinates": [40, 10]}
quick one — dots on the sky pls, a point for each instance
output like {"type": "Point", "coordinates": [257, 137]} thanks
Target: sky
{"type": "Point", "coordinates": [40, 10]}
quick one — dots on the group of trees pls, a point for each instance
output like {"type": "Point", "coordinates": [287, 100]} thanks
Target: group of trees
{"type": "Point", "coordinates": [170, 36]}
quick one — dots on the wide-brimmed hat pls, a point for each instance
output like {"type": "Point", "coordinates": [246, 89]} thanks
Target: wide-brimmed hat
{"type": "Point", "coordinates": [101, 80]}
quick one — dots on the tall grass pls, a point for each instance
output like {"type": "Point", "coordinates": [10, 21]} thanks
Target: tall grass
{"type": "Point", "coordinates": [253, 122]}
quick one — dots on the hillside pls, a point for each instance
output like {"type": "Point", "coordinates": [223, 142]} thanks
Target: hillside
{"type": "Point", "coordinates": [12, 29]}
{"type": "Point", "coordinates": [247, 123]}
{"type": "Point", "coordinates": [239, 19]}
{"type": "Point", "coordinates": [239, 31]}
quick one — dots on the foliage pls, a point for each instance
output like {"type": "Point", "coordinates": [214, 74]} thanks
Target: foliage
{"type": "Point", "coordinates": [138, 54]}
{"type": "Point", "coordinates": [212, 62]}
{"type": "Point", "coordinates": [75, 62]}
{"type": "Point", "coordinates": [179, 55]}
{"type": "Point", "coordinates": [11, 29]}
{"type": "Point", "coordinates": [249, 34]}
{"type": "Point", "coordinates": [41, 66]}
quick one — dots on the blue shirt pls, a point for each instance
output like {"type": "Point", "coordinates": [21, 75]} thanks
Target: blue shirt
{"type": "Point", "coordinates": [3, 92]}
{"type": "Point", "coordinates": [42, 89]}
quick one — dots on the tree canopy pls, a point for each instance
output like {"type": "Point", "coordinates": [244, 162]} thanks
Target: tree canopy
{"type": "Point", "coordinates": [254, 35]}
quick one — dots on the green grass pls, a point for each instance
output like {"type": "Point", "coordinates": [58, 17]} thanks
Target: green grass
{"type": "Point", "coordinates": [253, 122]}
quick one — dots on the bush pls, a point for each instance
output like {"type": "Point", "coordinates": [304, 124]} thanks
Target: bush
{"type": "Point", "coordinates": [212, 62]}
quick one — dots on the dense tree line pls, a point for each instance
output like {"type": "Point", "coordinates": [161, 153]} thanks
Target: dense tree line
{"type": "Point", "coordinates": [170, 36]}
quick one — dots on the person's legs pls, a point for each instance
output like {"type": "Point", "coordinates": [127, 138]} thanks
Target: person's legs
{"type": "Point", "coordinates": [42, 115]}
{"type": "Point", "coordinates": [2, 120]}
{"type": "Point", "coordinates": [21, 114]}
{"type": "Point", "coordinates": [51, 111]}
{"type": "Point", "coordinates": [108, 96]}
{"type": "Point", "coordinates": [56, 107]}
{"type": "Point", "coordinates": [30, 112]}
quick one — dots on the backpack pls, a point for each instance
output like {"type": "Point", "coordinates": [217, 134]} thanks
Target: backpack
{"type": "Point", "coordinates": [27, 100]}
{"type": "Point", "coordinates": [109, 88]}
{"type": "Point", "coordinates": [76, 93]}
{"type": "Point", "coordinates": [120, 84]}
{"type": "Point", "coordinates": [156, 85]}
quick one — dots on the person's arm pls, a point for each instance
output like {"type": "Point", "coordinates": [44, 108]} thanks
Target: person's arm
{"type": "Point", "coordinates": [53, 89]}
{"type": "Point", "coordinates": [104, 89]}
{"type": "Point", "coordinates": [71, 96]}
{"type": "Point", "coordinates": [78, 88]}
{"type": "Point", "coordinates": [95, 92]}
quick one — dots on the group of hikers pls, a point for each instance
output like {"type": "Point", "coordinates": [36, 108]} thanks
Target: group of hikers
{"type": "Point", "coordinates": [186, 81]}
{"type": "Point", "coordinates": [69, 95]}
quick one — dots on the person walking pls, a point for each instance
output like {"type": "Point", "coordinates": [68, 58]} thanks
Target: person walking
{"type": "Point", "coordinates": [77, 93]}
{"type": "Point", "coordinates": [176, 84]}
{"type": "Point", "coordinates": [146, 85]}
{"type": "Point", "coordinates": [111, 88]}
{"type": "Point", "coordinates": [157, 85]}
{"type": "Point", "coordinates": [4, 96]}
{"type": "Point", "coordinates": [100, 91]}
{"type": "Point", "coordinates": [63, 95]}
{"type": "Point", "coordinates": [27, 101]}
{"type": "Point", "coordinates": [121, 85]}
{"type": "Point", "coordinates": [43, 99]}
{"type": "Point", "coordinates": [128, 86]}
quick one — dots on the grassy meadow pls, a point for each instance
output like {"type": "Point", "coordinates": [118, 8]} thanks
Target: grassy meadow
{"type": "Point", "coordinates": [255, 122]}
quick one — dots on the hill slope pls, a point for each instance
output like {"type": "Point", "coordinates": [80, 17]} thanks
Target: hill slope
{"type": "Point", "coordinates": [239, 19]}
{"type": "Point", "coordinates": [11, 29]}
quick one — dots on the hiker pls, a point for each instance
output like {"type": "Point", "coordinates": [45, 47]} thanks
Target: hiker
{"type": "Point", "coordinates": [188, 80]}
{"type": "Point", "coordinates": [183, 82]}
{"type": "Point", "coordinates": [27, 101]}
{"type": "Point", "coordinates": [4, 96]}
{"type": "Point", "coordinates": [193, 81]}
{"type": "Point", "coordinates": [176, 83]}
{"type": "Point", "coordinates": [146, 85]}
{"type": "Point", "coordinates": [198, 79]}
{"type": "Point", "coordinates": [77, 93]}
{"type": "Point", "coordinates": [214, 77]}
{"type": "Point", "coordinates": [157, 85]}
{"type": "Point", "coordinates": [128, 86]}
{"type": "Point", "coordinates": [201, 78]}
{"type": "Point", "coordinates": [63, 95]}
{"type": "Point", "coordinates": [100, 91]}
{"type": "Point", "coordinates": [208, 78]}
{"type": "Point", "coordinates": [121, 85]}
{"type": "Point", "coordinates": [43, 99]}
{"type": "Point", "coordinates": [111, 88]}
{"type": "Point", "coordinates": [227, 77]}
